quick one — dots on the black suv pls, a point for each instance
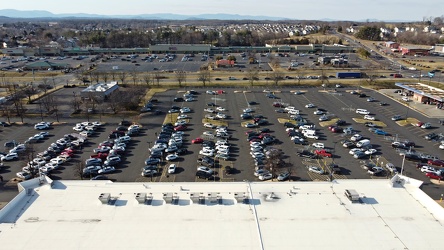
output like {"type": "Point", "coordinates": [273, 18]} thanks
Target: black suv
{"type": "Point", "coordinates": [307, 154]}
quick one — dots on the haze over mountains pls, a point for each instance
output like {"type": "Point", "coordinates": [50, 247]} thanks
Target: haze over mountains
{"type": "Point", "coordinates": [166, 16]}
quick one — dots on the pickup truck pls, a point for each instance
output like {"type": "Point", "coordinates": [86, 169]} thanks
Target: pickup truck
{"type": "Point", "coordinates": [323, 153]}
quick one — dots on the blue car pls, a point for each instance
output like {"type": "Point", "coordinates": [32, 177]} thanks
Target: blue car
{"type": "Point", "coordinates": [380, 132]}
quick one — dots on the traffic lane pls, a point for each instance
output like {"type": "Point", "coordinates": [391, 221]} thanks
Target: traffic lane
{"type": "Point", "coordinates": [285, 144]}
{"type": "Point", "coordinates": [188, 164]}
{"type": "Point", "coordinates": [242, 161]}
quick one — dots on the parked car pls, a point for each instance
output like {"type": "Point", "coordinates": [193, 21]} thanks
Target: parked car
{"type": "Point", "coordinates": [316, 170]}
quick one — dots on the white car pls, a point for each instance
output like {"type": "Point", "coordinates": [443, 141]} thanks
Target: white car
{"type": "Point", "coordinates": [370, 151]}
{"type": "Point", "coordinates": [180, 122]}
{"type": "Point", "coordinates": [247, 110]}
{"type": "Point", "coordinates": [362, 112]}
{"type": "Point", "coordinates": [266, 176]}
{"type": "Point", "coordinates": [428, 169]}
{"type": "Point", "coordinates": [10, 157]}
{"type": "Point", "coordinates": [185, 110]}
{"type": "Point", "coordinates": [205, 169]}
{"type": "Point", "coordinates": [309, 136]}
{"type": "Point", "coordinates": [354, 150]}
{"type": "Point", "coordinates": [391, 168]}
{"type": "Point", "coordinates": [316, 170]}
{"type": "Point", "coordinates": [209, 110]}
{"type": "Point", "coordinates": [208, 133]}
{"type": "Point", "coordinates": [220, 109]}
{"type": "Point", "coordinates": [182, 116]}
{"type": "Point", "coordinates": [406, 99]}
{"type": "Point", "coordinates": [441, 146]}
{"type": "Point", "coordinates": [57, 161]}
{"type": "Point", "coordinates": [369, 117]}
{"type": "Point", "coordinates": [107, 170]}
{"type": "Point", "coordinates": [209, 125]}
{"type": "Point", "coordinates": [172, 169]}
{"type": "Point", "coordinates": [318, 112]}
{"type": "Point", "coordinates": [78, 128]}
{"type": "Point", "coordinates": [172, 157]}
{"type": "Point", "coordinates": [42, 125]}
{"type": "Point", "coordinates": [319, 145]}
{"type": "Point", "coordinates": [221, 116]}
{"type": "Point", "coordinates": [356, 137]}
{"type": "Point", "coordinates": [206, 153]}
{"type": "Point", "coordinates": [24, 175]}
{"type": "Point", "coordinates": [310, 105]}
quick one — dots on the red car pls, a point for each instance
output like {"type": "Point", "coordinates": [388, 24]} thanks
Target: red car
{"type": "Point", "coordinates": [100, 156]}
{"type": "Point", "coordinates": [419, 124]}
{"type": "Point", "coordinates": [68, 153]}
{"type": "Point", "coordinates": [432, 175]}
{"type": "Point", "coordinates": [278, 105]}
{"type": "Point", "coordinates": [337, 130]}
{"type": "Point", "coordinates": [323, 153]}
{"type": "Point", "coordinates": [180, 128]}
{"type": "Point", "coordinates": [197, 140]}
{"type": "Point", "coordinates": [436, 162]}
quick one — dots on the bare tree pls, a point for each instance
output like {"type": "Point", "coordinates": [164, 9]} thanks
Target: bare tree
{"type": "Point", "coordinates": [105, 76]}
{"type": "Point", "coordinates": [55, 108]}
{"type": "Point", "coordinates": [76, 102]}
{"type": "Point", "coordinates": [95, 76]}
{"type": "Point", "coordinates": [252, 75]}
{"type": "Point", "coordinates": [158, 75]}
{"type": "Point", "coordinates": [148, 79]}
{"type": "Point", "coordinates": [122, 77]}
{"type": "Point", "coordinates": [113, 75]}
{"type": "Point", "coordinates": [134, 76]}
{"type": "Point", "coordinates": [115, 101]}
{"type": "Point", "coordinates": [6, 111]}
{"type": "Point", "coordinates": [204, 76]}
{"type": "Point", "coordinates": [181, 76]}
{"type": "Point", "coordinates": [29, 92]}
{"type": "Point", "coordinates": [78, 169]}
{"type": "Point", "coordinates": [276, 77]}
{"type": "Point", "coordinates": [47, 103]}
{"type": "Point", "coordinates": [16, 95]}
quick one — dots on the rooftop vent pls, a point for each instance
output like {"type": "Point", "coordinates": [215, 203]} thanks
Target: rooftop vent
{"type": "Point", "coordinates": [214, 197]}
{"type": "Point", "coordinates": [141, 198]}
{"type": "Point", "coordinates": [171, 198]}
{"type": "Point", "coordinates": [197, 198]}
{"type": "Point", "coordinates": [104, 198]}
{"type": "Point", "coordinates": [241, 197]}
{"type": "Point", "coordinates": [352, 195]}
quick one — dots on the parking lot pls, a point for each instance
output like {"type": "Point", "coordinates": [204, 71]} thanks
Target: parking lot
{"type": "Point", "coordinates": [339, 104]}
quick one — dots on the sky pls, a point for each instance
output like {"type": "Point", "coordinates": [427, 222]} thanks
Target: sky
{"type": "Point", "coordinates": [294, 9]}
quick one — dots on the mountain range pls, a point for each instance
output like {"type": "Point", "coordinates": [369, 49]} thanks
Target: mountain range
{"type": "Point", "coordinates": [11, 13]}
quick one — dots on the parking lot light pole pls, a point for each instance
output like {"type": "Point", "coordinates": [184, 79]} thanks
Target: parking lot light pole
{"type": "Point", "coordinates": [402, 165]}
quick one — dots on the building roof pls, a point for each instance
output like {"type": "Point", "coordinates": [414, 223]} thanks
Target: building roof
{"type": "Point", "coordinates": [101, 87]}
{"type": "Point", "coordinates": [422, 89]}
{"type": "Point", "coordinates": [306, 215]}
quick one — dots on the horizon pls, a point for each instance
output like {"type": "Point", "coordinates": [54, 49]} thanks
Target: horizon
{"type": "Point", "coordinates": [322, 10]}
